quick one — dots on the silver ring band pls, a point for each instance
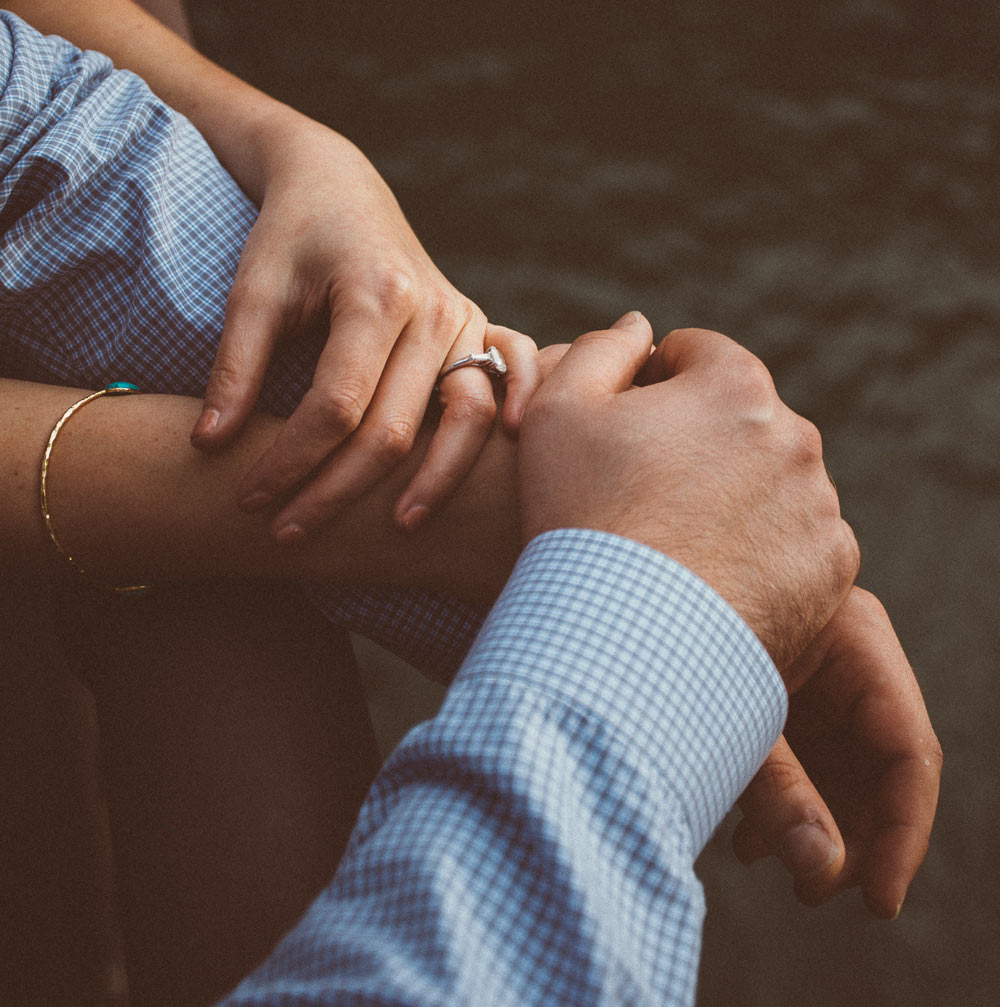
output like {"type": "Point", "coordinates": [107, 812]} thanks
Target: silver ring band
{"type": "Point", "coordinates": [491, 361]}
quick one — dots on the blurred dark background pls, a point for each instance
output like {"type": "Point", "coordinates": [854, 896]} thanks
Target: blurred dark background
{"type": "Point", "coordinates": [818, 180]}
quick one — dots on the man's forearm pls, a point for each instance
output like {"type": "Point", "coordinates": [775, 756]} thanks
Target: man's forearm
{"type": "Point", "coordinates": [132, 500]}
{"type": "Point", "coordinates": [231, 114]}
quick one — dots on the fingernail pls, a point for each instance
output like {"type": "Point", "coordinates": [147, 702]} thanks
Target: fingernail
{"type": "Point", "coordinates": [414, 517]}
{"type": "Point", "coordinates": [207, 422]}
{"type": "Point", "coordinates": [807, 850]}
{"type": "Point", "coordinates": [512, 417]}
{"type": "Point", "coordinates": [255, 501]}
{"type": "Point", "coordinates": [290, 534]}
{"type": "Point", "coordinates": [629, 320]}
{"type": "Point", "coordinates": [878, 910]}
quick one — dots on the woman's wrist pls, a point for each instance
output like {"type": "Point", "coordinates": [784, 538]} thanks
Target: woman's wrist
{"type": "Point", "coordinates": [134, 501]}
{"type": "Point", "coordinates": [278, 142]}
{"type": "Point", "coordinates": [242, 125]}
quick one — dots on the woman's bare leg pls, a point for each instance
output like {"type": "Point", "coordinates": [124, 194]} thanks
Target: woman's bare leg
{"type": "Point", "coordinates": [236, 751]}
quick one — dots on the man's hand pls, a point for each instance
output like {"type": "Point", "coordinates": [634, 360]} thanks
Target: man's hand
{"type": "Point", "coordinates": [853, 804]}
{"type": "Point", "coordinates": [704, 462]}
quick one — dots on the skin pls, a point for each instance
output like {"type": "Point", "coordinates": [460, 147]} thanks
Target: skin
{"type": "Point", "coordinates": [703, 462]}
{"type": "Point", "coordinates": [243, 659]}
{"type": "Point", "coordinates": [331, 247]}
{"type": "Point", "coordinates": [160, 675]}
{"type": "Point", "coordinates": [133, 502]}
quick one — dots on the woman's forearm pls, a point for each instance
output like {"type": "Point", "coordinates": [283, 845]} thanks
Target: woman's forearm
{"type": "Point", "coordinates": [240, 123]}
{"type": "Point", "coordinates": [132, 501]}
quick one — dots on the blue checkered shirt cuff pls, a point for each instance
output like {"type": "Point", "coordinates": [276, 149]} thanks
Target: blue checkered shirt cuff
{"type": "Point", "coordinates": [615, 628]}
{"type": "Point", "coordinates": [534, 843]}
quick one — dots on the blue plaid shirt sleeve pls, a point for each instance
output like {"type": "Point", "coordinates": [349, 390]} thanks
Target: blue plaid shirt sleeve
{"type": "Point", "coordinates": [534, 843]}
{"type": "Point", "coordinates": [120, 234]}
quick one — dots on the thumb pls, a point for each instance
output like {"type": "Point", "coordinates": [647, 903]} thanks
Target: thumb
{"type": "Point", "coordinates": [700, 351]}
{"type": "Point", "coordinates": [605, 361]}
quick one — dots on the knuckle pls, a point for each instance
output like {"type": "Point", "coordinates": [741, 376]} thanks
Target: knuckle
{"type": "Point", "coordinates": [779, 776]}
{"type": "Point", "coordinates": [224, 378]}
{"type": "Point", "coordinates": [693, 332]}
{"type": "Point", "coordinates": [315, 512]}
{"type": "Point", "coordinates": [441, 310]}
{"type": "Point", "coordinates": [849, 556]}
{"type": "Point", "coordinates": [746, 387]}
{"type": "Point", "coordinates": [548, 357]}
{"type": "Point", "coordinates": [868, 606]}
{"type": "Point", "coordinates": [388, 293]}
{"type": "Point", "coordinates": [473, 314]}
{"type": "Point", "coordinates": [799, 445]}
{"type": "Point", "coordinates": [601, 337]}
{"type": "Point", "coordinates": [357, 299]}
{"type": "Point", "coordinates": [755, 381]}
{"type": "Point", "coordinates": [341, 408]}
{"type": "Point", "coordinates": [527, 344]}
{"type": "Point", "coordinates": [826, 516]}
{"type": "Point", "coordinates": [394, 291]}
{"type": "Point", "coordinates": [515, 343]}
{"type": "Point", "coordinates": [471, 409]}
{"type": "Point", "coordinates": [394, 438]}
{"type": "Point", "coordinates": [808, 441]}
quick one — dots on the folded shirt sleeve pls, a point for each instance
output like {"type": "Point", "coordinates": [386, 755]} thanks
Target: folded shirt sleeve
{"type": "Point", "coordinates": [534, 843]}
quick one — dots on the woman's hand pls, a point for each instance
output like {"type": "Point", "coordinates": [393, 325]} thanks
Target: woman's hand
{"type": "Point", "coordinates": [332, 241]}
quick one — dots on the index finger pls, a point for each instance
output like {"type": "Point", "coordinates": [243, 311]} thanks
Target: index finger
{"type": "Point", "coordinates": [253, 322]}
{"type": "Point", "coordinates": [904, 738]}
{"type": "Point", "coordinates": [785, 814]}
{"type": "Point", "coordinates": [693, 350]}
{"type": "Point", "coordinates": [898, 843]}
{"type": "Point", "coordinates": [877, 697]}
{"type": "Point", "coordinates": [604, 361]}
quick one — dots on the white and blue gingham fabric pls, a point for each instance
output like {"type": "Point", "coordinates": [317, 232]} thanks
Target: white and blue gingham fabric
{"type": "Point", "coordinates": [534, 843]}
{"type": "Point", "coordinates": [119, 239]}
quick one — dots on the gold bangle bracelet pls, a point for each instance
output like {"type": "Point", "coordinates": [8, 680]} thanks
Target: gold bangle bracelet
{"type": "Point", "coordinates": [115, 388]}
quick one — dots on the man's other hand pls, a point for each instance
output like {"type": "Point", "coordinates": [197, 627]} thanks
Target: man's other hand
{"type": "Point", "coordinates": [847, 797]}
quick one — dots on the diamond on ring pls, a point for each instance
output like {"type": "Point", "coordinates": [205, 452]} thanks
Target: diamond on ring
{"type": "Point", "coordinates": [491, 361]}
